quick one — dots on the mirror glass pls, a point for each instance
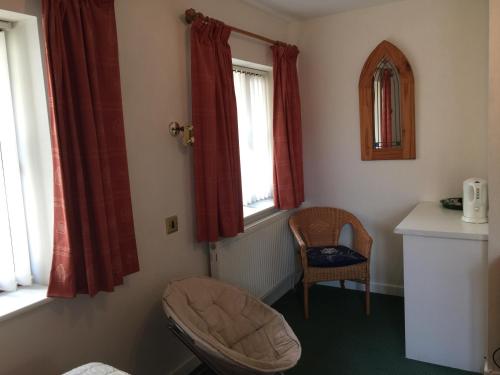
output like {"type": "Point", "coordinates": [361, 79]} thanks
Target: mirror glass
{"type": "Point", "coordinates": [386, 106]}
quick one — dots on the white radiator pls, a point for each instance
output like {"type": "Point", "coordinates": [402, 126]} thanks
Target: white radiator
{"type": "Point", "coordinates": [262, 260]}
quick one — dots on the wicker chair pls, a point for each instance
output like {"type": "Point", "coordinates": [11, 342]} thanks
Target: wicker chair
{"type": "Point", "coordinates": [319, 227]}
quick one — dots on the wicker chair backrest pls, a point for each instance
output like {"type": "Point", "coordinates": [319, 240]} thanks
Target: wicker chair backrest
{"type": "Point", "coordinates": [322, 226]}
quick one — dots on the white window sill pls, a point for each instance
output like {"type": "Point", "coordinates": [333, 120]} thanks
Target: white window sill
{"type": "Point", "coordinates": [22, 300]}
{"type": "Point", "coordinates": [259, 206]}
{"type": "Point", "coordinates": [258, 211]}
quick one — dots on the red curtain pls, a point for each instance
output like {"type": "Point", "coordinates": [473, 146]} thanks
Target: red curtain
{"type": "Point", "coordinates": [219, 202]}
{"type": "Point", "coordinates": [386, 108]}
{"type": "Point", "coordinates": [94, 241]}
{"type": "Point", "coordinates": [287, 129]}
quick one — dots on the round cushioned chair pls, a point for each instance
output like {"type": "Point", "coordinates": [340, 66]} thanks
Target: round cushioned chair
{"type": "Point", "coordinates": [317, 231]}
{"type": "Point", "coordinates": [229, 330]}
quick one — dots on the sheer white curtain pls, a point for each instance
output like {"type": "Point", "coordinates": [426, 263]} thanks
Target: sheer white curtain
{"type": "Point", "coordinates": [255, 134]}
{"type": "Point", "coordinates": [15, 266]}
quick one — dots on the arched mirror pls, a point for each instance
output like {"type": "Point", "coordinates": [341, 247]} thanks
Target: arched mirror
{"type": "Point", "coordinates": [387, 105]}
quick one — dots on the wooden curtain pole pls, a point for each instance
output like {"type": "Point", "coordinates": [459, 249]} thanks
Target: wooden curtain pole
{"type": "Point", "coordinates": [192, 14]}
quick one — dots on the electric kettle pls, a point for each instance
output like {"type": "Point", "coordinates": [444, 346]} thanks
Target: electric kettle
{"type": "Point", "coordinates": [475, 201]}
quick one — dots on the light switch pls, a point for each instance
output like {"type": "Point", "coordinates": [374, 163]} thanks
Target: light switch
{"type": "Point", "coordinates": [171, 224]}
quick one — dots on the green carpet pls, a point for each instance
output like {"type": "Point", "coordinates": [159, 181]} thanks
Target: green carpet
{"type": "Point", "coordinates": [339, 339]}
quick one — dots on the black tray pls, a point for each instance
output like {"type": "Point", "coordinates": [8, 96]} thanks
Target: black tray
{"type": "Point", "coordinates": [452, 203]}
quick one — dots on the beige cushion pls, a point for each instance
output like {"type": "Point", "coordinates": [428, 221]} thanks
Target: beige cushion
{"type": "Point", "coordinates": [233, 323]}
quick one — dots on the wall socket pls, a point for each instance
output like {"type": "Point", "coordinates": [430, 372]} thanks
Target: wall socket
{"type": "Point", "coordinates": [171, 224]}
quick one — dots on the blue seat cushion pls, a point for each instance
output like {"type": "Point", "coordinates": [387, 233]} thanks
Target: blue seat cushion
{"type": "Point", "coordinates": [330, 256]}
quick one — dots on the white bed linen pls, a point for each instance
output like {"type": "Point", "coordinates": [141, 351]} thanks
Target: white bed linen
{"type": "Point", "coordinates": [95, 368]}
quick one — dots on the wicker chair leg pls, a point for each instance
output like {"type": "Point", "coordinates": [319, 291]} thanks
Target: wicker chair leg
{"type": "Point", "coordinates": [306, 300]}
{"type": "Point", "coordinates": [342, 284]}
{"type": "Point", "coordinates": [367, 301]}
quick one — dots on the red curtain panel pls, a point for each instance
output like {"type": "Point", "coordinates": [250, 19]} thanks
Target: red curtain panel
{"type": "Point", "coordinates": [94, 241]}
{"type": "Point", "coordinates": [219, 202]}
{"type": "Point", "coordinates": [287, 129]}
{"type": "Point", "coordinates": [386, 108]}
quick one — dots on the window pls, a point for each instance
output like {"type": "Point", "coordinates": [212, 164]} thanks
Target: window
{"type": "Point", "coordinates": [253, 99]}
{"type": "Point", "coordinates": [26, 183]}
{"type": "Point", "coordinates": [15, 266]}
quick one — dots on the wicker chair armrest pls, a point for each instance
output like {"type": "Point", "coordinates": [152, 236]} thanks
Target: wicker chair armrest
{"type": "Point", "coordinates": [302, 244]}
{"type": "Point", "coordinates": [362, 241]}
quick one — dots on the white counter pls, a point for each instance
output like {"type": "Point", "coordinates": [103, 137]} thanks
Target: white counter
{"type": "Point", "coordinates": [429, 219]}
{"type": "Point", "coordinates": [445, 282]}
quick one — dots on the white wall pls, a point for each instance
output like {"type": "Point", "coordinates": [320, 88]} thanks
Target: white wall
{"type": "Point", "coordinates": [127, 328]}
{"type": "Point", "coordinates": [446, 43]}
{"type": "Point", "coordinates": [494, 179]}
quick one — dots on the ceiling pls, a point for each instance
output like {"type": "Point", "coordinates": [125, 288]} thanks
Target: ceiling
{"type": "Point", "coordinates": [302, 9]}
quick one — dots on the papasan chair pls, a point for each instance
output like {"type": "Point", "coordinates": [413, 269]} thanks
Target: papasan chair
{"type": "Point", "coordinates": [229, 330]}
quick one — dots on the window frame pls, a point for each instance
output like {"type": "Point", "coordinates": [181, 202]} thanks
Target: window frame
{"type": "Point", "coordinates": [29, 102]}
{"type": "Point", "coordinates": [13, 196]}
{"type": "Point", "coordinates": [267, 72]}
{"type": "Point", "coordinates": [28, 92]}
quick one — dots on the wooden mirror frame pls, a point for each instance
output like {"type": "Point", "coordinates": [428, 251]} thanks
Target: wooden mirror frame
{"type": "Point", "coordinates": [407, 102]}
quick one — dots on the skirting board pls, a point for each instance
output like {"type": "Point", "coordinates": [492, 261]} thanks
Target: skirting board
{"type": "Point", "coordinates": [281, 289]}
{"type": "Point", "coordinates": [381, 288]}
{"type": "Point", "coordinates": [187, 366]}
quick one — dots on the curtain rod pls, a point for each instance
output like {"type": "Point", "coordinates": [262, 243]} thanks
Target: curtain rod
{"type": "Point", "coordinates": [192, 14]}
